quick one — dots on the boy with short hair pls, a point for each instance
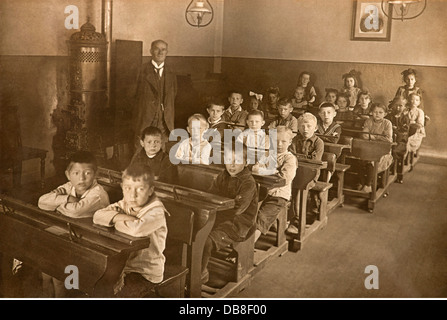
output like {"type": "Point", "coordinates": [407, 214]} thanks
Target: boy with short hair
{"type": "Point", "coordinates": [80, 197]}
{"type": "Point", "coordinates": [152, 155]}
{"type": "Point", "coordinates": [139, 214]}
{"type": "Point", "coordinates": [216, 119]}
{"type": "Point", "coordinates": [307, 145]}
{"type": "Point", "coordinates": [285, 117]}
{"type": "Point", "coordinates": [328, 129]}
{"type": "Point", "coordinates": [196, 149]}
{"type": "Point", "coordinates": [277, 198]}
{"type": "Point", "coordinates": [232, 225]}
{"type": "Point", "coordinates": [234, 113]}
{"type": "Point", "coordinates": [254, 137]}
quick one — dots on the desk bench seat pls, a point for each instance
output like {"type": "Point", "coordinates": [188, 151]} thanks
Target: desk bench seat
{"type": "Point", "coordinates": [173, 284]}
{"type": "Point", "coordinates": [321, 186]}
{"type": "Point", "coordinates": [340, 167]}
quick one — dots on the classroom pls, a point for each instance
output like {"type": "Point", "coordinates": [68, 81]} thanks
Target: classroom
{"type": "Point", "coordinates": [354, 209]}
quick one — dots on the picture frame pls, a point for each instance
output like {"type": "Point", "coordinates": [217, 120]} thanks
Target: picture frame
{"type": "Point", "coordinates": [369, 23]}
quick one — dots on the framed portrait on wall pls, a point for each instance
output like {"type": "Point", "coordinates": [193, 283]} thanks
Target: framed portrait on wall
{"type": "Point", "coordinates": [369, 22]}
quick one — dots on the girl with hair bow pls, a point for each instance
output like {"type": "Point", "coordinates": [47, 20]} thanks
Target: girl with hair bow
{"type": "Point", "coordinates": [255, 101]}
{"type": "Point", "coordinates": [409, 77]}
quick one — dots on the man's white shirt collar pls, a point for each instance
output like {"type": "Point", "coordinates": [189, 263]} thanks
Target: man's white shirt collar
{"type": "Point", "coordinates": [161, 66]}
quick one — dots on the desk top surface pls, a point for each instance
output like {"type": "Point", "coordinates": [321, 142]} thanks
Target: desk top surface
{"type": "Point", "coordinates": [55, 222]}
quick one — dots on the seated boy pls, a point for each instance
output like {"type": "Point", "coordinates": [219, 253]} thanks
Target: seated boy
{"type": "Point", "coordinates": [254, 137]}
{"type": "Point", "coordinates": [216, 119]}
{"type": "Point", "coordinates": [277, 198]}
{"type": "Point", "coordinates": [196, 149]}
{"type": "Point", "coordinates": [308, 146]}
{"type": "Point", "coordinates": [328, 129]}
{"type": "Point", "coordinates": [285, 117]}
{"type": "Point", "coordinates": [153, 156]}
{"type": "Point", "coordinates": [140, 214]}
{"type": "Point", "coordinates": [234, 113]}
{"type": "Point", "coordinates": [80, 197]}
{"type": "Point", "coordinates": [232, 225]}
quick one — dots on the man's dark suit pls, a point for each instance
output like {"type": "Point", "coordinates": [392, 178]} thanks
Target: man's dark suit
{"type": "Point", "coordinates": [149, 100]}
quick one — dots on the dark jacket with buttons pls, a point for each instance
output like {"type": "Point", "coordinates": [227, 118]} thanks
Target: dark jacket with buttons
{"type": "Point", "coordinates": [238, 221]}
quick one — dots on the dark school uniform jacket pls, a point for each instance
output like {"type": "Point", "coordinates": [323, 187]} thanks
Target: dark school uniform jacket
{"type": "Point", "coordinates": [311, 148]}
{"type": "Point", "coordinates": [331, 134]}
{"type": "Point", "coordinates": [160, 165]}
{"type": "Point", "coordinates": [238, 221]}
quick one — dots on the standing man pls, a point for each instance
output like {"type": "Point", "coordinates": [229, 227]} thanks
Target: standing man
{"type": "Point", "coordinates": [156, 91]}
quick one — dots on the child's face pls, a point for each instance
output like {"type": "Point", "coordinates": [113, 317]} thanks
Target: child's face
{"type": "Point", "coordinates": [410, 80]}
{"type": "Point", "coordinates": [378, 114]}
{"type": "Point", "coordinates": [305, 79]}
{"type": "Point", "coordinates": [136, 192]}
{"type": "Point", "coordinates": [299, 94]}
{"type": "Point", "coordinates": [273, 98]}
{"type": "Point", "coordinates": [234, 163]}
{"type": "Point", "coordinates": [284, 111]}
{"type": "Point", "coordinates": [415, 101]}
{"type": "Point", "coordinates": [327, 115]}
{"type": "Point", "coordinates": [342, 103]}
{"type": "Point", "coordinates": [81, 176]}
{"type": "Point", "coordinates": [235, 100]}
{"type": "Point", "coordinates": [331, 97]}
{"type": "Point", "coordinates": [349, 82]}
{"type": "Point", "coordinates": [399, 107]}
{"type": "Point", "coordinates": [364, 100]}
{"type": "Point", "coordinates": [283, 140]}
{"type": "Point", "coordinates": [307, 128]}
{"type": "Point", "coordinates": [151, 144]}
{"type": "Point", "coordinates": [215, 112]}
{"type": "Point", "coordinates": [255, 122]}
{"type": "Point", "coordinates": [254, 104]}
{"type": "Point", "coordinates": [197, 127]}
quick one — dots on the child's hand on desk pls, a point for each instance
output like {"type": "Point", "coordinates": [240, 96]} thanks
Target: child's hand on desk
{"type": "Point", "coordinates": [237, 201]}
{"type": "Point", "coordinates": [60, 191]}
{"type": "Point", "coordinates": [255, 168]}
{"type": "Point", "coordinates": [118, 209]}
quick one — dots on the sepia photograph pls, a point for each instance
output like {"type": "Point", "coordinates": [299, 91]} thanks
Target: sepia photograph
{"type": "Point", "coordinates": [223, 150]}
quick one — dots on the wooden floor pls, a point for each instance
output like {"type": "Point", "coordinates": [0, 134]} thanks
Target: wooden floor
{"type": "Point", "coordinates": [405, 237]}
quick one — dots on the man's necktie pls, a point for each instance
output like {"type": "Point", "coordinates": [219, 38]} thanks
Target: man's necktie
{"type": "Point", "coordinates": [158, 71]}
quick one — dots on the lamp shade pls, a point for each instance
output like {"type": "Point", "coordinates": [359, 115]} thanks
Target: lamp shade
{"type": "Point", "coordinates": [405, 9]}
{"type": "Point", "coordinates": [199, 13]}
